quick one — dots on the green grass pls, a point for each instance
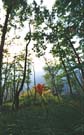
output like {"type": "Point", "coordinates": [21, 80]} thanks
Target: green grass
{"type": "Point", "coordinates": [51, 118]}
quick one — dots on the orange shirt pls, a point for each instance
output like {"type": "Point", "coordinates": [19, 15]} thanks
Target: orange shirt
{"type": "Point", "coordinates": [39, 88]}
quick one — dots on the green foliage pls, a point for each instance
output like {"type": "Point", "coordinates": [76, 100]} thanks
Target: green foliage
{"type": "Point", "coordinates": [71, 16]}
{"type": "Point", "coordinates": [14, 4]}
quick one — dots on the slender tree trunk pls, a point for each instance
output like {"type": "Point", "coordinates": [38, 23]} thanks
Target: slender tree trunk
{"type": "Point", "coordinates": [34, 83]}
{"type": "Point", "coordinates": [14, 78]}
{"type": "Point", "coordinates": [78, 59]}
{"type": "Point", "coordinates": [75, 76]}
{"type": "Point", "coordinates": [17, 93]}
{"type": "Point", "coordinates": [4, 31]}
{"type": "Point", "coordinates": [15, 104]}
{"type": "Point", "coordinates": [5, 81]}
{"type": "Point", "coordinates": [54, 88]}
{"type": "Point", "coordinates": [78, 80]}
{"type": "Point", "coordinates": [28, 78]}
{"type": "Point", "coordinates": [67, 75]}
{"type": "Point", "coordinates": [16, 98]}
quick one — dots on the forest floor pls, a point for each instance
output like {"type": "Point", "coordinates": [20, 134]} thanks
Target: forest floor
{"type": "Point", "coordinates": [46, 116]}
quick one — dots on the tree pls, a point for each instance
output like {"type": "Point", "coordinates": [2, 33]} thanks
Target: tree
{"type": "Point", "coordinates": [71, 18]}
{"type": "Point", "coordinates": [11, 8]}
{"type": "Point", "coordinates": [16, 98]}
{"type": "Point", "coordinates": [53, 76]}
{"type": "Point", "coordinates": [52, 72]}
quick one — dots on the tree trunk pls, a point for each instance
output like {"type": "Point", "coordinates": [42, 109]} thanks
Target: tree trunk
{"type": "Point", "coordinates": [67, 75]}
{"type": "Point", "coordinates": [54, 88]}
{"type": "Point", "coordinates": [78, 80]}
{"type": "Point", "coordinates": [15, 105]}
{"type": "Point", "coordinates": [78, 59]}
{"type": "Point", "coordinates": [65, 69]}
{"type": "Point", "coordinates": [17, 101]}
{"type": "Point", "coordinates": [4, 31]}
{"type": "Point", "coordinates": [16, 98]}
{"type": "Point", "coordinates": [34, 83]}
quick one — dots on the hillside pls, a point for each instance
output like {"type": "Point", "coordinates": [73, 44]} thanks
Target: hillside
{"type": "Point", "coordinates": [44, 118]}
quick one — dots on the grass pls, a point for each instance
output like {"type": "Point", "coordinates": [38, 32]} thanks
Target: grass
{"type": "Point", "coordinates": [50, 118]}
